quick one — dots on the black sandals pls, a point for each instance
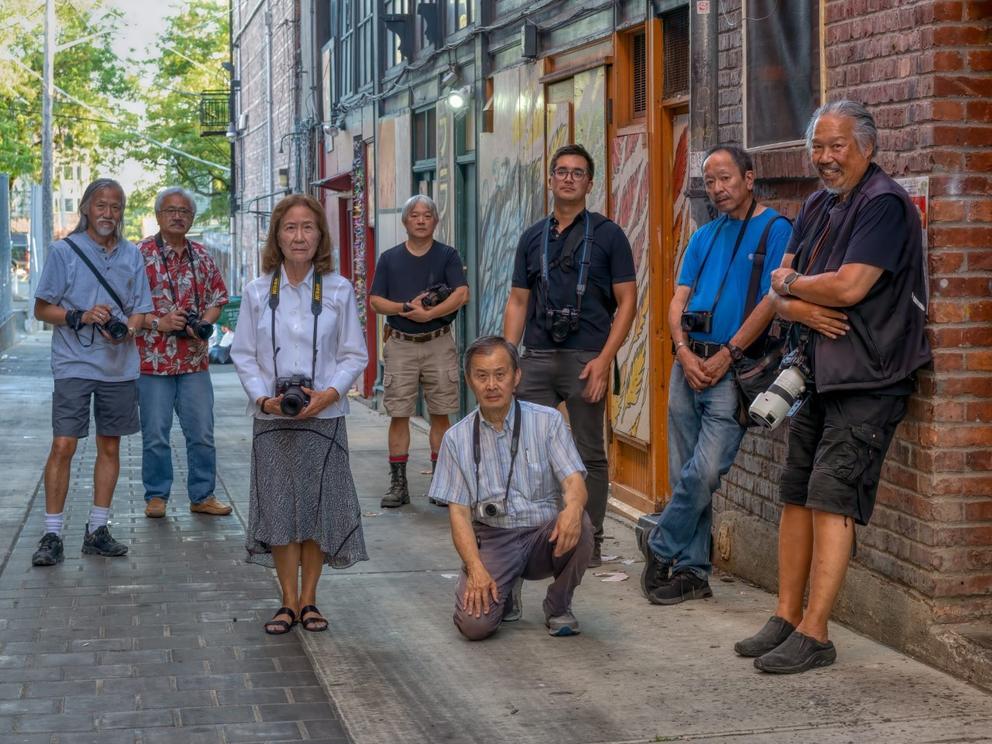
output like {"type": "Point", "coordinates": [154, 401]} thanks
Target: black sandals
{"type": "Point", "coordinates": [279, 627]}
{"type": "Point", "coordinates": [313, 624]}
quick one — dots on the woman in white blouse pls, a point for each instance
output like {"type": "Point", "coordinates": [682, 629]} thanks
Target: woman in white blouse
{"type": "Point", "coordinates": [298, 348]}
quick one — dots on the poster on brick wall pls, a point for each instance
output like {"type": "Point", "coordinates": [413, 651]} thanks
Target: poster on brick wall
{"type": "Point", "coordinates": [918, 188]}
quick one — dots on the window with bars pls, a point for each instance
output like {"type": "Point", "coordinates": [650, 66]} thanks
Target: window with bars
{"type": "Point", "coordinates": [365, 39]}
{"type": "Point", "coordinates": [346, 34]}
{"type": "Point", "coordinates": [639, 78]}
{"type": "Point", "coordinates": [675, 38]}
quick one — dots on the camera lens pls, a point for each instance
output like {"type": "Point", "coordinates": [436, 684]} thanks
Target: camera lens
{"type": "Point", "coordinates": [115, 329]}
{"type": "Point", "coordinates": [203, 331]}
{"type": "Point", "coordinates": [490, 510]}
{"type": "Point", "coordinates": [292, 403]}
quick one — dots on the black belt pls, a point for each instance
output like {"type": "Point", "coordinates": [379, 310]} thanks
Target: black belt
{"type": "Point", "coordinates": [419, 338]}
{"type": "Point", "coordinates": [703, 349]}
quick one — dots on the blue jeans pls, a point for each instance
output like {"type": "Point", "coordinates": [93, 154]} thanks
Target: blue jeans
{"type": "Point", "coordinates": [191, 396]}
{"type": "Point", "coordinates": [703, 439]}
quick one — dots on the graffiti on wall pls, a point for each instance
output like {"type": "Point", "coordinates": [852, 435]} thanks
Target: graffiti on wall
{"type": "Point", "coordinates": [442, 179]}
{"type": "Point", "coordinates": [358, 245]}
{"type": "Point", "coordinates": [590, 128]}
{"type": "Point", "coordinates": [630, 409]}
{"type": "Point", "coordinates": [682, 224]}
{"type": "Point", "coordinates": [511, 185]}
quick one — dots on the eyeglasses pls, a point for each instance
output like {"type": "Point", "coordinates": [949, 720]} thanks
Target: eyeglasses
{"type": "Point", "coordinates": [178, 212]}
{"type": "Point", "coordinates": [577, 174]}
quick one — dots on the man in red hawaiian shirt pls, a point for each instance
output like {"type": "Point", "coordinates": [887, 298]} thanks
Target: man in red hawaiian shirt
{"type": "Point", "coordinates": [187, 295]}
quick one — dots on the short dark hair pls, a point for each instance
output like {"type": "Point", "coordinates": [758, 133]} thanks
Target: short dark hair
{"type": "Point", "coordinates": [573, 150]}
{"type": "Point", "coordinates": [487, 345]}
{"type": "Point", "coordinates": [737, 153]}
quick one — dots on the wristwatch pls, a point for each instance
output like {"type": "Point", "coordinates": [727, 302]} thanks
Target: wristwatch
{"type": "Point", "coordinates": [132, 331]}
{"type": "Point", "coordinates": [407, 307]}
{"type": "Point", "coordinates": [787, 282]}
{"type": "Point", "coordinates": [155, 324]}
{"type": "Point", "coordinates": [736, 352]}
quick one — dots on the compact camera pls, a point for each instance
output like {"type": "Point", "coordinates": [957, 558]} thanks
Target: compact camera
{"type": "Point", "coordinates": [435, 294]}
{"type": "Point", "coordinates": [115, 328]}
{"type": "Point", "coordinates": [201, 329]}
{"type": "Point", "coordinates": [562, 323]}
{"type": "Point", "coordinates": [697, 321]}
{"type": "Point", "coordinates": [294, 399]}
{"type": "Point", "coordinates": [490, 509]}
{"type": "Point", "coordinates": [773, 406]}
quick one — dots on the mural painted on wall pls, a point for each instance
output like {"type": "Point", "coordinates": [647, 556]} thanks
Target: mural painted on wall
{"type": "Point", "coordinates": [358, 244]}
{"type": "Point", "coordinates": [682, 224]}
{"type": "Point", "coordinates": [590, 128]}
{"type": "Point", "coordinates": [559, 132]}
{"type": "Point", "coordinates": [386, 184]}
{"type": "Point", "coordinates": [442, 179]}
{"type": "Point", "coordinates": [511, 185]}
{"type": "Point", "coordinates": [630, 410]}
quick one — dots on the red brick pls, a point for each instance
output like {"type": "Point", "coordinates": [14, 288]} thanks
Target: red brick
{"type": "Point", "coordinates": [980, 385]}
{"type": "Point", "coordinates": [947, 61]}
{"type": "Point", "coordinates": [978, 412]}
{"type": "Point", "coordinates": [947, 210]}
{"type": "Point", "coordinates": [980, 61]}
{"type": "Point", "coordinates": [979, 361]}
{"type": "Point", "coordinates": [948, 435]}
{"type": "Point", "coordinates": [974, 236]}
{"type": "Point", "coordinates": [948, 11]}
{"type": "Point", "coordinates": [978, 460]}
{"type": "Point", "coordinates": [978, 162]}
{"type": "Point", "coordinates": [980, 211]}
{"type": "Point", "coordinates": [962, 585]}
{"type": "Point", "coordinates": [980, 260]}
{"type": "Point", "coordinates": [977, 535]}
{"type": "Point", "coordinates": [959, 36]}
{"type": "Point", "coordinates": [980, 310]}
{"type": "Point", "coordinates": [947, 311]}
{"type": "Point", "coordinates": [967, 485]}
{"type": "Point", "coordinates": [979, 111]}
{"type": "Point", "coordinates": [960, 185]}
{"type": "Point", "coordinates": [951, 336]}
{"type": "Point", "coordinates": [945, 262]}
{"type": "Point", "coordinates": [978, 10]}
{"type": "Point", "coordinates": [964, 136]}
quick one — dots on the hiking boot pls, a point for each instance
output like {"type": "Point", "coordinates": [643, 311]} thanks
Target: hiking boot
{"type": "Point", "coordinates": [596, 559]}
{"type": "Point", "coordinates": [155, 508]}
{"type": "Point", "coordinates": [514, 609]}
{"type": "Point", "coordinates": [563, 625]}
{"type": "Point", "coordinates": [49, 551]}
{"type": "Point", "coordinates": [100, 542]}
{"type": "Point", "coordinates": [681, 586]}
{"type": "Point", "coordinates": [655, 573]}
{"type": "Point", "coordinates": [770, 637]}
{"type": "Point", "coordinates": [210, 506]}
{"type": "Point", "coordinates": [398, 493]}
{"type": "Point", "coordinates": [798, 653]}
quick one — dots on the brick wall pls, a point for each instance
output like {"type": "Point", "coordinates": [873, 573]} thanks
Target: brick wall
{"type": "Point", "coordinates": [925, 71]}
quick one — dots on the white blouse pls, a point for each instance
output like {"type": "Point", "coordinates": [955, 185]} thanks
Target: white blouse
{"type": "Point", "coordinates": [341, 351]}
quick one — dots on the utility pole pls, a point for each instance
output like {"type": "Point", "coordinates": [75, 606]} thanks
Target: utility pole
{"type": "Point", "coordinates": [46, 124]}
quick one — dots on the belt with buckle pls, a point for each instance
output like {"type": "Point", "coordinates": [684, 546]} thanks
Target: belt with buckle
{"type": "Point", "coordinates": [704, 349]}
{"type": "Point", "coordinates": [419, 338]}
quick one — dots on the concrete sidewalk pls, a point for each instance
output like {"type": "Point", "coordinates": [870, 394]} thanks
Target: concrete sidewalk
{"type": "Point", "coordinates": [393, 665]}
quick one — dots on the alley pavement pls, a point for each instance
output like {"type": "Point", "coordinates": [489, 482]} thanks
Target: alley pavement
{"type": "Point", "coordinates": [166, 645]}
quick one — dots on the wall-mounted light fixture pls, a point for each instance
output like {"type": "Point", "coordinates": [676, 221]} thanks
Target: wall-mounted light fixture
{"type": "Point", "coordinates": [459, 97]}
{"type": "Point", "coordinates": [283, 174]}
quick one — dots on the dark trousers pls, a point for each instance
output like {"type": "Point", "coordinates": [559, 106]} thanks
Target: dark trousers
{"type": "Point", "coordinates": [550, 377]}
{"type": "Point", "coordinates": [509, 554]}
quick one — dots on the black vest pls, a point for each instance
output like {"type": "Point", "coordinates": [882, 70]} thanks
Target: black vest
{"type": "Point", "coordinates": [887, 340]}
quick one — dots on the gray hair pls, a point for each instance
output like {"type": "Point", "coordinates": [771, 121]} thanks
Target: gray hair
{"type": "Point", "coordinates": [487, 345]}
{"type": "Point", "coordinates": [413, 201]}
{"type": "Point", "coordinates": [84, 205]}
{"type": "Point", "coordinates": [172, 191]}
{"type": "Point", "coordinates": [865, 131]}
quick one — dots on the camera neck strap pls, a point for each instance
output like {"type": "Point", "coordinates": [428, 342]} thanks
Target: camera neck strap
{"type": "Point", "coordinates": [173, 284]}
{"type": "Point", "coordinates": [316, 306]}
{"type": "Point", "coordinates": [99, 277]}
{"type": "Point", "coordinates": [733, 257]}
{"type": "Point", "coordinates": [514, 446]}
{"type": "Point", "coordinates": [580, 286]}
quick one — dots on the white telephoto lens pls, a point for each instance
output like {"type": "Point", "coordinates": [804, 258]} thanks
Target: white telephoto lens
{"type": "Point", "coordinates": [771, 407]}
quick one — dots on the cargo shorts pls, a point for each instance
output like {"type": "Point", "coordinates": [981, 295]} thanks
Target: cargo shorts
{"type": "Point", "coordinates": [115, 407]}
{"type": "Point", "coordinates": [409, 365]}
{"type": "Point", "coordinates": [837, 443]}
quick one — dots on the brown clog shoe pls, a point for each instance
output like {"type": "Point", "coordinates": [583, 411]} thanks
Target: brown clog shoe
{"type": "Point", "coordinates": [211, 506]}
{"type": "Point", "coordinates": [155, 508]}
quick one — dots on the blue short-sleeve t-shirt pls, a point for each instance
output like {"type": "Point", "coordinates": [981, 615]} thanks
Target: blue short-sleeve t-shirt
{"type": "Point", "coordinates": [708, 256]}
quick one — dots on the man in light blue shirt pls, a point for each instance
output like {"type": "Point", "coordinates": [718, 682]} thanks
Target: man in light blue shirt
{"type": "Point", "coordinates": [96, 313]}
{"type": "Point", "coordinates": [515, 485]}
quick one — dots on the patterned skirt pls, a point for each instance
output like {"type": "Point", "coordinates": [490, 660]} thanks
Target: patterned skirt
{"type": "Point", "coordinates": [302, 489]}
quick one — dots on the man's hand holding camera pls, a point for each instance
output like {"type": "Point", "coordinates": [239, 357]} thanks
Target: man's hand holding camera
{"type": "Point", "coordinates": [481, 591]}
{"type": "Point", "coordinates": [417, 312]}
{"type": "Point", "coordinates": [172, 321]}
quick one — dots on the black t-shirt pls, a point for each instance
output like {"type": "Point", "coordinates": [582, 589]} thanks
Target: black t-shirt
{"type": "Point", "coordinates": [610, 262]}
{"type": "Point", "coordinates": [400, 276]}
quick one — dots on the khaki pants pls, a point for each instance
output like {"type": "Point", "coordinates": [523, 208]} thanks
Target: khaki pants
{"type": "Point", "coordinates": [410, 365]}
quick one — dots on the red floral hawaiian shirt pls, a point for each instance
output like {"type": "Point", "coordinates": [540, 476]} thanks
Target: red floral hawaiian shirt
{"type": "Point", "coordinates": [161, 352]}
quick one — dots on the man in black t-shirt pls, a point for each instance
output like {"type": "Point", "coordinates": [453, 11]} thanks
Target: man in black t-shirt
{"type": "Point", "coordinates": [572, 300]}
{"type": "Point", "coordinates": [853, 281]}
{"type": "Point", "coordinates": [419, 284]}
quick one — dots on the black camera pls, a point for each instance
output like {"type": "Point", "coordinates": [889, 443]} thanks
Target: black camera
{"type": "Point", "coordinates": [698, 321]}
{"type": "Point", "coordinates": [201, 329]}
{"type": "Point", "coordinates": [562, 323]}
{"type": "Point", "coordinates": [435, 294]}
{"type": "Point", "coordinates": [115, 328]}
{"type": "Point", "coordinates": [294, 399]}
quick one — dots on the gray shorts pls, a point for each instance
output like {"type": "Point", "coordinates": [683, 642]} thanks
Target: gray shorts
{"type": "Point", "coordinates": [115, 408]}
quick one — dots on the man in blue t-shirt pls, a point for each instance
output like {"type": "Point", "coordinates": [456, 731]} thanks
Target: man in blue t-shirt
{"type": "Point", "coordinates": [709, 332]}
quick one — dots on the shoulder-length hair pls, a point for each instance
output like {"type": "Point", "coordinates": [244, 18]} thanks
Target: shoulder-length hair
{"type": "Point", "coordinates": [272, 255]}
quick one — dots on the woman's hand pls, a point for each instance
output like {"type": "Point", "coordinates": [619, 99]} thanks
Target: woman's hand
{"type": "Point", "coordinates": [319, 400]}
{"type": "Point", "coordinates": [272, 406]}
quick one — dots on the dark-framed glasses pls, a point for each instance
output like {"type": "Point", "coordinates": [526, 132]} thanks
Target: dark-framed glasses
{"type": "Point", "coordinates": [576, 174]}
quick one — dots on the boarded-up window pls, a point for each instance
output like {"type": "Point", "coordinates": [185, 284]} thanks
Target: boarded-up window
{"type": "Point", "coordinates": [782, 69]}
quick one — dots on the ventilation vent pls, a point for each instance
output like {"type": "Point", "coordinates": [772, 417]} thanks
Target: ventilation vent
{"type": "Point", "coordinates": [640, 58]}
{"type": "Point", "coordinates": [675, 27]}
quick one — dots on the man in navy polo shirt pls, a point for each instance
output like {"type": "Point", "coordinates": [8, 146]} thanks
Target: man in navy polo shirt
{"type": "Point", "coordinates": [93, 357]}
{"type": "Point", "coordinates": [709, 332]}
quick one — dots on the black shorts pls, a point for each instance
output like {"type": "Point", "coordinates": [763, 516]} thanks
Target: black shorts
{"type": "Point", "coordinates": [837, 442]}
{"type": "Point", "coordinates": [115, 408]}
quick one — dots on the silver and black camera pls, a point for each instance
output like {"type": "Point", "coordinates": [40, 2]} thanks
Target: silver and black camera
{"type": "Point", "coordinates": [115, 328]}
{"type": "Point", "coordinates": [490, 509]}
{"type": "Point", "coordinates": [294, 399]}
{"type": "Point", "coordinates": [697, 321]}
{"type": "Point", "coordinates": [774, 405]}
{"type": "Point", "coordinates": [201, 329]}
{"type": "Point", "coordinates": [562, 323]}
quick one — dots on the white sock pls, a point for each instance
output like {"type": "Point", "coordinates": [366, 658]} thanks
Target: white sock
{"type": "Point", "coordinates": [53, 523]}
{"type": "Point", "coordinates": [99, 516]}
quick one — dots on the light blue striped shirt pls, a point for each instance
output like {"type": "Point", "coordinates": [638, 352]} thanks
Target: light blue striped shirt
{"type": "Point", "coordinates": [546, 456]}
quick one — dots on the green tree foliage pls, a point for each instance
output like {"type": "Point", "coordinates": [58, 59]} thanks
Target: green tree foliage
{"type": "Point", "coordinates": [191, 50]}
{"type": "Point", "coordinates": [89, 71]}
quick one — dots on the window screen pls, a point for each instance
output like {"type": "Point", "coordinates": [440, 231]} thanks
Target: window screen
{"type": "Point", "coordinates": [675, 30]}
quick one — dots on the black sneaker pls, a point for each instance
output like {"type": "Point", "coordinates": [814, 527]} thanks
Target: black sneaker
{"type": "Point", "coordinates": [655, 573]}
{"type": "Point", "coordinates": [797, 653]}
{"type": "Point", "coordinates": [49, 551]}
{"type": "Point", "coordinates": [770, 637]}
{"type": "Point", "coordinates": [682, 586]}
{"type": "Point", "coordinates": [100, 542]}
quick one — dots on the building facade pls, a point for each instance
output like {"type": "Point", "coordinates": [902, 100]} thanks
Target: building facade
{"type": "Point", "coordinates": [465, 100]}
